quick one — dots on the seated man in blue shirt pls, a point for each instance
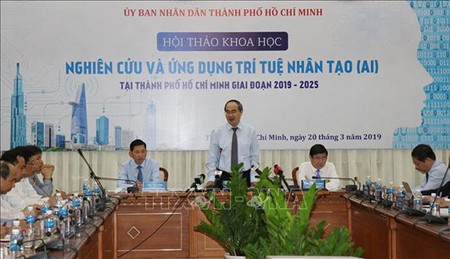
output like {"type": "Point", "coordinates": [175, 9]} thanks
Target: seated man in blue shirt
{"type": "Point", "coordinates": [425, 162]}
{"type": "Point", "coordinates": [139, 168]}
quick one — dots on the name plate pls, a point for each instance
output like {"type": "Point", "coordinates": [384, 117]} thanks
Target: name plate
{"type": "Point", "coordinates": [151, 186]}
{"type": "Point", "coordinates": [320, 184]}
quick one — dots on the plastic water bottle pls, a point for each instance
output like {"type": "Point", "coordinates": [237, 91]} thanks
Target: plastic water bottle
{"type": "Point", "coordinates": [86, 187]}
{"type": "Point", "coordinates": [390, 192]}
{"type": "Point", "coordinates": [15, 240]}
{"type": "Point", "coordinates": [435, 206]}
{"type": "Point", "coordinates": [30, 233]}
{"type": "Point", "coordinates": [366, 187]}
{"type": "Point", "coordinates": [15, 243]}
{"type": "Point", "coordinates": [49, 223]}
{"type": "Point", "coordinates": [77, 211]}
{"type": "Point", "coordinates": [400, 199]}
{"type": "Point", "coordinates": [97, 189]}
{"type": "Point", "coordinates": [418, 204]}
{"type": "Point", "coordinates": [30, 219]}
{"type": "Point", "coordinates": [58, 204]}
{"type": "Point", "coordinates": [46, 205]}
{"type": "Point", "coordinates": [64, 222]}
{"type": "Point", "coordinates": [378, 190]}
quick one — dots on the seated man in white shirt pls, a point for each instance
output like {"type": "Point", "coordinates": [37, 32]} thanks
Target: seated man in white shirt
{"type": "Point", "coordinates": [318, 167]}
{"type": "Point", "coordinates": [14, 203]}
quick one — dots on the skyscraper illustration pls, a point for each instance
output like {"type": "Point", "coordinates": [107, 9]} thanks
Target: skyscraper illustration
{"type": "Point", "coordinates": [118, 137]}
{"type": "Point", "coordinates": [102, 130]}
{"type": "Point", "coordinates": [49, 135]}
{"type": "Point", "coordinates": [79, 127]}
{"type": "Point", "coordinates": [37, 133]}
{"type": "Point", "coordinates": [60, 141]}
{"type": "Point", "coordinates": [150, 126]}
{"type": "Point", "coordinates": [18, 120]}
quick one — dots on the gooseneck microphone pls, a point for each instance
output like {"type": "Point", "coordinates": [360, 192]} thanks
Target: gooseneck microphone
{"type": "Point", "coordinates": [277, 170]}
{"type": "Point", "coordinates": [430, 218]}
{"type": "Point", "coordinates": [94, 177]}
{"type": "Point", "coordinates": [348, 187]}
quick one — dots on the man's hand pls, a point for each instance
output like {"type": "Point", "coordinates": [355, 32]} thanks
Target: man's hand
{"type": "Point", "coordinates": [35, 211]}
{"type": "Point", "coordinates": [4, 230]}
{"type": "Point", "coordinates": [139, 185]}
{"type": "Point", "coordinates": [47, 171]}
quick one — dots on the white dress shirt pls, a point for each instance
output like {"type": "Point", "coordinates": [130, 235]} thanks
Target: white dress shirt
{"type": "Point", "coordinates": [219, 155]}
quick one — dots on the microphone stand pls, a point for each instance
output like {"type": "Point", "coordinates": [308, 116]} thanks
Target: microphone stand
{"type": "Point", "coordinates": [99, 184]}
{"type": "Point", "coordinates": [429, 217]}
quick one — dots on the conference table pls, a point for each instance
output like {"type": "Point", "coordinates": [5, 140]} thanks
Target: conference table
{"type": "Point", "coordinates": [390, 233]}
{"type": "Point", "coordinates": [160, 225]}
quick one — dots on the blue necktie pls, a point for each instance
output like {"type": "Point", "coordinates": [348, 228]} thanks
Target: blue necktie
{"type": "Point", "coordinates": [318, 174]}
{"type": "Point", "coordinates": [139, 176]}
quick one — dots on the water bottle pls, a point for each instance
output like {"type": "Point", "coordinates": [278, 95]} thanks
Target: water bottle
{"type": "Point", "coordinates": [46, 205]}
{"type": "Point", "coordinates": [49, 223]}
{"type": "Point", "coordinates": [418, 204]}
{"type": "Point", "coordinates": [390, 192]}
{"type": "Point", "coordinates": [77, 211]}
{"type": "Point", "coordinates": [15, 243]}
{"type": "Point", "coordinates": [378, 190]}
{"type": "Point", "coordinates": [435, 206]}
{"type": "Point", "coordinates": [29, 218]}
{"type": "Point", "coordinates": [97, 189]}
{"type": "Point", "coordinates": [30, 233]}
{"type": "Point", "coordinates": [64, 221]}
{"type": "Point", "coordinates": [86, 188]}
{"type": "Point", "coordinates": [366, 187]}
{"type": "Point", "coordinates": [400, 199]}
{"type": "Point", "coordinates": [86, 209]}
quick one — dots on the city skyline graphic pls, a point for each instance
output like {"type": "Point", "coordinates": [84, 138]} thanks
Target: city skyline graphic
{"type": "Point", "coordinates": [44, 134]}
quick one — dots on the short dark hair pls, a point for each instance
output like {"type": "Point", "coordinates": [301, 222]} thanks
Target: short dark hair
{"type": "Point", "coordinates": [137, 142]}
{"type": "Point", "coordinates": [12, 154]}
{"type": "Point", "coordinates": [4, 169]}
{"type": "Point", "coordinates": [240, 107]}
{"type": "Point", "coordinates": [35, 150]}
{"type": "Point", "coordinates": [317, 149]}
{"type": "Point", "coordinates": [422, 152]}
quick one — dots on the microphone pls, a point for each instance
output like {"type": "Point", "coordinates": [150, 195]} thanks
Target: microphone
{"type": "Point", "coordinates": [348, 187]}
{"type": "Point", "coordinates": [93, 176]}
{"type": "Point", "coordinates": [430, 218]}
{"type": "Point", "coordinates": [277, 170]}
{"type": "Point", "coordinates": [198, 181]}
{"type": "Point", "coordinates": [256, 169]}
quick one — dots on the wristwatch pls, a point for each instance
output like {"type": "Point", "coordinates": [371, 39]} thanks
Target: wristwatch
{"type": "Point", "coordinates": [51, 179]}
